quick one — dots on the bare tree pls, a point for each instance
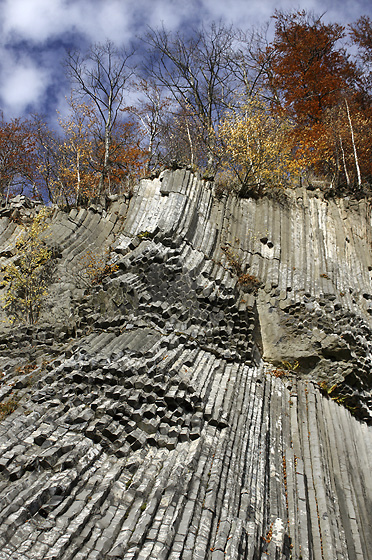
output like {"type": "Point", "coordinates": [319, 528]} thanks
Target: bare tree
{"type": "Point", "coordinates": [152, 111]}
{"type": "Point", "coordinates": [250, 61]}
{"type": "Point", "coordinates": [183, 138]}
{"type": "Point", "coordinates": [47, 144]}
{"type": "Point", "coordinates": [196, 71]}
{"type": "Point", "coordinates": [102, 75]}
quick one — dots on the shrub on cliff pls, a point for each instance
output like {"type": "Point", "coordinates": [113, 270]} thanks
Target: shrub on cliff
{"type": "Point", "coordinates": [257, 147]}
{"type": "Point", "coordinates": [94, 267]}
{"type": "Point", "coordinates": [28, 276]}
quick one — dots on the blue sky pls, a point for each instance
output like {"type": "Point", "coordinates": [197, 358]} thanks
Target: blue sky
{"type": "Point", "coordinates": [35, 33]}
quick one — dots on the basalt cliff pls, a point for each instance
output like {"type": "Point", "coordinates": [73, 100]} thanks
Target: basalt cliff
{"type": "Point", "coordinates": [210, 398]}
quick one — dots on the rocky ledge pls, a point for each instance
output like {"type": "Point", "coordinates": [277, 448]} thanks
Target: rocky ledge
{"type": "Point", "coordinates": [210, 398]}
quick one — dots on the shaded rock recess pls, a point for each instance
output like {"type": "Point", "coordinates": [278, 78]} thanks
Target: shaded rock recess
{"type": "Point", "coordinates": [154, 417]}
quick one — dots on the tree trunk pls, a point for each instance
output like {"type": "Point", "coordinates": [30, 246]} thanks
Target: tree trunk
{"type": "Point", "coordinates": [190, 144]}
{"type": "Point", "coordinates": [77, 198]}
{"type": "Point", "coordinates": [108, 127]}
{"type": "Point", "coordinates": [354, 146]}
{"type": "Point", "coordinates": [344, 163]}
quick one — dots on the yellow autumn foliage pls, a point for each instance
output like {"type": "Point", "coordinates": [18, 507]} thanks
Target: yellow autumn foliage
{"type": "Point", "coordinates": [94, 267]}
{"type": "Point", "coordinates": [27, 277]}
{"type": "Point", "coordinates": [257, 145]}
{"type": "Point", "coordinates": [77, 152]}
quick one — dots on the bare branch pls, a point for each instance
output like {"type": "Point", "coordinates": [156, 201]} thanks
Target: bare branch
{"type": "Point", "coordinates": [102, 75]}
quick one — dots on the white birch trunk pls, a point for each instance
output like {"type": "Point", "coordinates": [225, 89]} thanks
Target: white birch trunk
{"type": "Point", "coordinates": [354, 146]}
{"type": "Point", "coordinates": [344, 162]}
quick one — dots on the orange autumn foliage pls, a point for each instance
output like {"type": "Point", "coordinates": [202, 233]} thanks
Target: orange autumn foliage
{"type": "Point", "coordinates": [18, 158]}
{"type": "Point", "coordinates": [79, 159]}
{"type": "Point", "coordinates": [127, 159]}
{"type": "Point", "coordinates": [313, 80]}
{"type": "Point", "coordinates": [309, 71]}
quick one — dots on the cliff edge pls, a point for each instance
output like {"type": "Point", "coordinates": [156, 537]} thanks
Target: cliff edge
{"type": "Point", "coordinates": [209, 398]}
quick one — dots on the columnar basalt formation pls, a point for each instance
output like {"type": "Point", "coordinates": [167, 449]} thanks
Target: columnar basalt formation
{"type": "Point", "coordinates": [209, 399]}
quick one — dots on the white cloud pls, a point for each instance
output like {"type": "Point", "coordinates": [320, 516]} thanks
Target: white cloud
{"type": "Point", "coordinates": [174, 13]}
{"type": "Point", "coordinates": [31, 29]}
{"type": "Point", "coordinates": [244, 14]}
{"type": "Point", "coordinates": [40, 20]}
{"type": "Point", "coordinates": [100, 20]}
{"type": "Point", "coordinates": [35, 20]}
{"type": "Point", "coordinates": [23, 84]}
{"type": "Point", "coordinates": [119, 20]}
{"type": "Point", "coordinates": [29, 61]}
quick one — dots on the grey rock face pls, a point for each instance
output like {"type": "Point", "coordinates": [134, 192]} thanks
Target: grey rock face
{"type": "Point", "coordinates": [154, 418]}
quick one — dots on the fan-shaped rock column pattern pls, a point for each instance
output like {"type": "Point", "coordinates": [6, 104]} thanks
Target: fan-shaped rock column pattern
{"type": "Point", "coordinates": [157, 420]}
